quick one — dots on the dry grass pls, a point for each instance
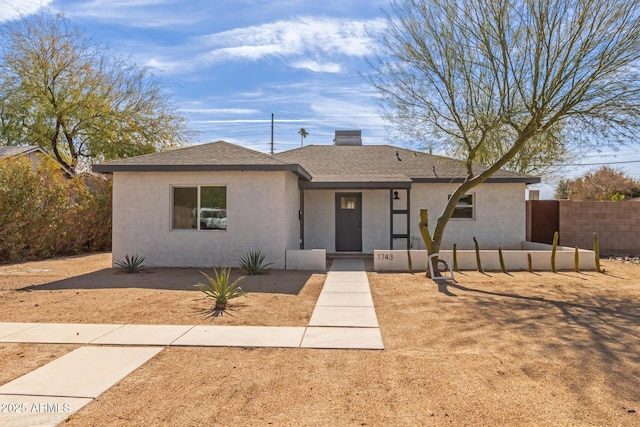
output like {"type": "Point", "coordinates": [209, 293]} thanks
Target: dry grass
{"type": "Point", "coordinates": [86, 289]}
{"type": "Point", "coordinates": [526, 349]}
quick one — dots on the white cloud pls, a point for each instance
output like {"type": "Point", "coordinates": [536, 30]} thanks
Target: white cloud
{"type": "Point", "coordinates": [15, 9]}
{"type": "Point", "coordinates": [238, 111]}
{"type": "Point", "coordinates": [295, 41]}
{"type": "Point", "coordinates": [253, 121]}
{"type": "Point", "coordinates": [135, 13]}
{"type": "Point", "coordinates": [160, 64]}
{"type": "Point", "coordinates": [328, 67]}
{"type": "Point", "coordinates": [244, 52]}
{"type": "Point", "coordinates": [348, 111]}
{"type": "Point", "coordinates": [294, 37]}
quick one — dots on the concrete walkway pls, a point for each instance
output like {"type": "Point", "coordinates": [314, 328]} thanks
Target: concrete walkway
{"type": "Point", "coordinates": [48, 395]}
{"type": "Point", "coordinates": [344, 318]}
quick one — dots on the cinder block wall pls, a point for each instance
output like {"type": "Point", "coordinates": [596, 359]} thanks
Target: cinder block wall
{"type": "Point", "coordinates": [617, 225]}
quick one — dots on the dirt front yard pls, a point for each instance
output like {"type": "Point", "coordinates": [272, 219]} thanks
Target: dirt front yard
{"type": "Point", "coordinates": [522, 349]}
{"type": "Point", "coordinates": [85, 289]}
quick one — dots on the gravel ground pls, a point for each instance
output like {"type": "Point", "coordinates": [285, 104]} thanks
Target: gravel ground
{"type": "Point", "coordinates": [525, 349]}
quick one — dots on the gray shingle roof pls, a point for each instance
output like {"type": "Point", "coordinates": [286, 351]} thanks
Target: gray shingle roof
{"type": "Point", "coordinates": [214, 156]}
{"type": "Point", "coordinates": [366, 165]}
{"type": "Point", "coordinates": [378, 162]}
{"type": "Point", "coordinates": [14, 151]}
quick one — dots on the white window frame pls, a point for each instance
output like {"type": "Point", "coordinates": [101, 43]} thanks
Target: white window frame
{"type": "Point", "coordinates": [473, 208]}
{"type": "Point", "coordinates": [198, 198]}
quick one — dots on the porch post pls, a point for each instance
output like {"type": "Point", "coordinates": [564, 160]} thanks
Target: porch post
{"type": "Point", "coordinates": [391, 219]}
{"type": "Point", "coordinates": [408, 218]}
{"type": "Point", "coordinates": [301, 214]}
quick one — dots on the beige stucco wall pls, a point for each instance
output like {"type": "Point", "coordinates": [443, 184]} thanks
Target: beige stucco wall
{"type": "Point", "coordinates": [262, 211]}
{"type": "Point", "coordinates": [375, 220]}
{"type": "Point", "coordinates": [499, 217]}
{"type": "Point", "coordinates": [320, 219]}
{"type": "Point", "coordinates": [261, 207]}
{"type": "Point", "coordinates": [292, 209]}
{"type": "Point", "coordinates": [35, 159]}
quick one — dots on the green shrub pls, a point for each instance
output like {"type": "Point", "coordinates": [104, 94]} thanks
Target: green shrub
{"type": "Point", "coordinates": [45, 213]}
{"type": "Point", "coordinates": [253, 263]}
{"type": "Point", "coordinates": [132, 264]}
{"type": "Point", "coordinates": [219, 289]}
{"type": "Point", "coordinates": [90, 216]}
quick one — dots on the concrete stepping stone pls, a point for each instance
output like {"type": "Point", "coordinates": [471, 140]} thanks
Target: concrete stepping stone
{"type": "Point", "coordinates": [343, 338]}
{"type": "Point", "coordinates": [61, 333]}
{"type": "Point", "coordinates": [12, 328]}
{"type": "Point", "coordinates": [364, 317]}
{"type": "Point", "coordinates": [347, 265]}
{"type": "Point", "coordinates": [351, 286]}
{"type": "Point", "coordinates": [38, 411]}
{"type": "Point", "coordinates": [242, 336]}
{"type": "Point", "coordinates": [85, 372]}
{"type": "Point", "coordinates": [345, 299]}
{"type": "Point", "coordinates": [143, 335]}
{"type": "Point", "coordinates": [341, 276]}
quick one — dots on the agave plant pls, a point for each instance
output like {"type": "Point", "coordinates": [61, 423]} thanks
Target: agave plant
{"type": "Point", "coordinates": [253, 263]}
{"type": "Point", "coordinates": [219, 288]}
{"type": "Point", "coordinates": [131, 264]}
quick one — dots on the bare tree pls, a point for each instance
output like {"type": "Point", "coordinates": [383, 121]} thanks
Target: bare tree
{"type": "Point", "coordinates": [496, 79]}
{"type": "Point", "coordinates": [76, 100]}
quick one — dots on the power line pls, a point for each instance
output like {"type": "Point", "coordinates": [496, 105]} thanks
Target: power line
{"type": "Point", "coordinates": [598, 164]}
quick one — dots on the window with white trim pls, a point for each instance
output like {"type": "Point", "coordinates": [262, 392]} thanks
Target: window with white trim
{"type": "Point", "coordinates": [465, 208]}
{"type": "Point", "coordinates": [201, 207]}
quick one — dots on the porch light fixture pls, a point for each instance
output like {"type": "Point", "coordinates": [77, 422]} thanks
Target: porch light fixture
{"type": "Point", "coordinates": [396, 196]}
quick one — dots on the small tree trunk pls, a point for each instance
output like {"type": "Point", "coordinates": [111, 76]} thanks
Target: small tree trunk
{"type": "Point", "coordinates": [433, 247]}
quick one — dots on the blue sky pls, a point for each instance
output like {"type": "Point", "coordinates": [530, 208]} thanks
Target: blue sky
{"type": "Point", "coordinates": [230, 64]}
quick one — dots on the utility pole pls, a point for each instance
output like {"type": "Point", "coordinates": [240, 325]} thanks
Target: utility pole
{"type": "Point", "coordinates": [272, 134]}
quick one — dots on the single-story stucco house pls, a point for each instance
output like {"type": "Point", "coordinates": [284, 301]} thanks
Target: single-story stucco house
{"type": "Point", "coordinates": [31, 152]}
{"type": "Point", "coordinates": [211, 204]}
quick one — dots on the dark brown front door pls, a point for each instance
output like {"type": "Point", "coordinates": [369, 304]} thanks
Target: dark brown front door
{"type": "Point", "coordinates": [349, 222]}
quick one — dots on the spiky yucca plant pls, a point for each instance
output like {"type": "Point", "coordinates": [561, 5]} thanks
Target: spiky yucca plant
{"type": "Point", "coordinates": [253, 263]}
{"type": "Point", "coordinates": [131, 264]}
{"type": "Point", "coordinates": [219, 289]}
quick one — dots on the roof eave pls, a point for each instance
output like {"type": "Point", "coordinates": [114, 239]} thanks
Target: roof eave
{"type": "Point", "coordinates": [24, 151]}
{"type": "Point", "coordinates": [110, 168]}
{"type": "Point", "coordinates": [372, 185]}
{"type": "Point", "coordinates": [492, 180]}
{"type": "Point", "coordinates": [33, 150]}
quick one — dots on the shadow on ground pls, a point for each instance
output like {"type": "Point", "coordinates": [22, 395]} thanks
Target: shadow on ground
{"type": "Point", "coordinates": [180, 279]}
{"type": "Point", "coordinates": [573, 332]}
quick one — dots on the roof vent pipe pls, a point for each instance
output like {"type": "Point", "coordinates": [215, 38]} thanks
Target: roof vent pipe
{"type": "Point", "coordinates": [348, 137]}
